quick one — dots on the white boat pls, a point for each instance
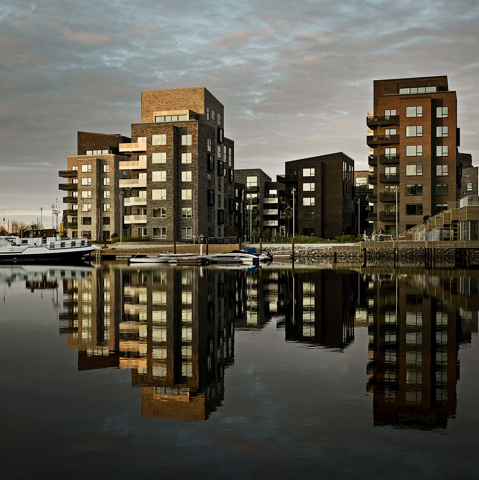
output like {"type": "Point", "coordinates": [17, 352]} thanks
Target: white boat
{"type": "Point", "coordinates": [236, 257]}
{"type": "Point", "coordinates": [14, 249]}
{"type": "Point", "coordinates": [161, 258]}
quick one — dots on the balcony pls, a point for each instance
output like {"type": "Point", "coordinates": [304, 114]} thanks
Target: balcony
{"type": "Point", "coordinates": [133, 183]}
{"type": "Point", "coordinates": [387, 197]}
{"type": "Point", "coordinates": [387, 216]}
{"type": "Point", "coordinates": [372, 197]}
{"type": "Point", "coordinates": [372, 161]}
{"type": "Point", "coordinates": [270, 211]}
{"type": "Point", "coordinates": [71, 212]}
{"type": "Point", "coordinates": [377, 121]}
{"type": "Point", "coordinates": [135, 201]}
{"type": "Point", "coordinates": [68, 173]}
{"type": "Point", "coordinates": [373, 180]}
{"type": "Point", "coordinates": [375, 140]}
{"type": "Point", "coordinates": [132, 147]}
{"type": "Point", "coordinates": [389, 178]}
{"type": "Point", "coordinates": [252, 188]}
{"type": "Point", "coordinates": [70, 199]}
{"type": "Point", "coordinates": [270, 200]}
{"type": "Point", "coordinates": [361, 189]}
{"type": "Point", "coordinates": [70, 187]}
{"type": "Point", "coordinates": [388, 159]}
{"type": "Point", "coordinates": [129, 219]}
{"type": "Point", "coordinates": [134, 165]}
{"type": "Point", "coordinates": [372, 216]}
{"type": "Point", "coordinates": [71, 225]}
{"type": "Point", "coordinates": [270, 223]}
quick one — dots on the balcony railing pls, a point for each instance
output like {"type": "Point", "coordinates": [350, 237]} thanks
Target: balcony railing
{"type": "Point", "coordinates": [372, 161]}
{"type": "Point", "coordinates": [372, 197]}
{"type": "Point", "coordinates": [372, 216]}
{"type": "Point", "coordinates": [388, 177]}
{"type": "Point", "coordinates": [387, 216]}
{"type": "Point", "coordinates": [71, 212]}
{"type": "Point", "coordinates": [71, 225]}
{"type": "Point", "coordinates": [361, 189]}
{"type": "Point", "coordinates": [129, 219]}
{"type": "Point", "coordinates": [381, 121]}
{"type": "Point", "coordinates": [133, 183]}
{"type": "Point", "coordinates": [134, 165]}
{"type": "Point", "coordinates": [252, 188]}
{"type": "Point", "coordinates": [70, 199]}
{"type": "Point", "coordinates": [135, 201]}
{"type": "Point", "coordinates": [387, 197]}
{"type": "Point", "coordinates": [270, 223]}
{"type": "Point", "coordinates": [68, 173]}
{"type": "Point", "coordinates": [375, 140]}
{"type": "Point", "coordinates": [388, 159]}
{"type": "Point", "coordinates": [270, 211]}
{"type": "Point", "coordinates": [270, 200]}
{"type": "Point", "coordinates": [373, 180]}
{"type": "Point", "coordinates": [132, 147]}
{"type": "Point", "coordinates": [70, 187]}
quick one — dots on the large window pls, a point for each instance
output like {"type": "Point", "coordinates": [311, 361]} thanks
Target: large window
{"type": "Point", "coordinates": [442, 170]}
{"type": "Point", "coordinates": [185, 139]}
{"type": "Point", "coordinates": [409, 90]}
{"type": "Point", "coordinates": [158, 157]}
{"type": "Point", "coordinates": [186, 176]}
{"type": "Point", "coordinates": [415, 131]}
{"type": "Point", "coordinates": [414, 111]}
{"type": "Point", "coordinates": [159, 194]}
{"type": "Point", "coordinates": [186, 158]}
{"type": "Point", "coordinates": [413, 208]}
{"type": "Point", "coordinates": [186, 232]}
{"type": "Point", "coordinates": [442, 131]}
{"type": "Point", "coordinates": [390, 172]}
{"type": "Point", "coordinates": [390, 131]}
{"type": "Point", "coordinates": [186, 194]}
{"type": "Point", "coordinates": [171, 118]}
{"type": "Point", "coordinates": [86, 168]}
{"type": "Point", "coordinates": [412, 170]}
{"type": "Point", "coordinates": [308, 202]}
{"type": "Point", "coordinates": [309, 172]}
{"type": "Point", "coordinates": [86, 181]}
{"type": "Point", "coordinates": [442, 189]}
{"type": "Point", "coordinates": [158, 139]}
{"type": "Point", "coordinates": [308, 187]}
{"type": "Point", "coordinates": [159, 232]}
{"type": "Point", "coordinates": [442, 112]}
{"type": "Point", "coordinates": [413, 150]}
{"type": "Point", "coordinates": [186, 212]}
{"type": "Point", "coordinates": [86, 207]}
{"type": "Point", "coordinates": [158, 176]}
{"type": "Point", "coordinates": [159, 212]}
{"type": "Point", "coordinates": [414, 189]}
{"type": "Point", "coordinates": [86, 194]}
{"type": "Point", "coordinates": [251, 181]}
{"type": "Point", "coordinates": [442, 150]}
{"type": "Point", "coordinates": [469, 187]}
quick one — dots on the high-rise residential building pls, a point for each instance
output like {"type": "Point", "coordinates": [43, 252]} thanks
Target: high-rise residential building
{"type": "Point", "coordinates": [92, 187]}
{"type": "Point", "coordinates": [415, 150]}
{"type": "Point", "coordinates": [181, 165]}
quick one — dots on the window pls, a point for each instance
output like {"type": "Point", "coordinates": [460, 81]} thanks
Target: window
{"type": "Point", "coordinates": [75, 168]}
{"type": "Point", "coordinates": [159, 212]}
{"type": "Point", "coordinates": [159, 176]}
{"type": "Point", "coordinates": [86, 168]}
{"type": "Point", "coordinates": [308, 202]}
{"type": "Point", "coordinates": [308, 172]}
{"type": "Point", "coordinates": [75, 194]}
{"type": "Point", "coordinates": [185, 139]}
{"type": "Point", "coordinates": [159, 232]}
{"type": "Point", "coordinates": [142, 158]}
{"type": "Point", "coordinates": [106, 194]}
{"type": "Point", "coordinates": [229, 156]}
{"type": "Point", "coordinates": [86, 207]}
{"type": "Point", "coordinates": [158, 157]}
{"type": "Point", "coordinates": [186, 232]}
{"type": "Point", "coordinates": [413, 208]}
{"type": "Point", "coordinates": [186, 158]}
{"type": "Point", "coordinates": [208, 144]}
{"type": "Point", "coordinates": [219, 118]}
{"type": "Point", "coordinates": [106, 220]}
{"type": "Point", "coordinates": [415, 189]}
{"type": "Point", "coordinates": [390, 209]}
{"type": "Point", "coordinates": [158, 139]}
{"type": "Point", "coordinates": [142, 193]}
{"type": "Point", "coordinates": [442, 150]}
{"type": "Point", "coordinates": [75, 180]}
{"type": "Point", "coordinates": [410, 90]}
{"type": "Point", "coordinates": [159, 194]}
{"type": "Point", "coordinates": [212, 114]}
{"type": "Point", "coordinates": [106, 207]}
{"type": "Point", "coordinates": [390, 152]}
{"type": "Point", "coordinates": [440, 207]}
{"type": "Point", "coordinates": [469, 187]}
{"type": "Point", "coordinates": [251, 181]}
{"type": "Point", "coordinates": [308, 187]}
{"type": "Point", "coordinates": [207, 113]}
{"type": "Point", "coordinates": [86, 221]}
{"type": "Point", "coordinates": [390, 188]}
{"type": "Point", "coordinates": [412, 170]}
{"type": "Point", "coordinates": [218, 151]}
{"type": "Point", "coordinates": [442, 170]}
{"type": "Point", "coordinates": [86, 194]}
{"type": "Point", "coordinates": [186, 194]}
{"type": "Point", "coordinates": [171, 118]}
{"type": "Point", "coordinates": [86, 181]}
{"type": "Point", "coordinates": [186, 212]}
{"type": "Point", "coordinates": [106, 168]}
{"type": "Point", "coordinates": [390, 172]}
{"type": "Point", "coordinates": [414, 111]}
{"type": "Point", "coordinates": [442, 189]}
{"type": "Point", "coordinates": [308, 216]}
{"type": "Point", "coordinates": [106, 182]}
{"type": "Point", "coordinates": [389, 113]}
{"type": "Point", "coordinates": [442, 112]}
{"type": "Point", "coordinates": [413, 150]}
{"type": "Point", "coordinates": [442, 131]}
{"type": "Point", "coordinates": [389, 131]}
{"type": "Point", "coordinates": [186, 176]}
{"type": "Point", "coordinates": [415, 131]}
{"type": "Point", "coordinates": [141, 140]}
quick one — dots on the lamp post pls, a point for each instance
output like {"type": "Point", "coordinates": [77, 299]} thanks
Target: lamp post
{"type": "Point", "coordinates": [397, 189]}
{"type": "Point", "coordinates": [121, 216]}
{"type": "Point", "coordinates": [294, 191]}
{"type": "Point", "coordinates": [250, 216]}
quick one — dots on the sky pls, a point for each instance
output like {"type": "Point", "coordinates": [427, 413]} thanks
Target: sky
{"type": "Point", "coordinates": [295, 78]}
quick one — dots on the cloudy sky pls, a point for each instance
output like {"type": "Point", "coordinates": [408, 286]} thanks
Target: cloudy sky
{"type": "Point", "coordinates": [295, 77]}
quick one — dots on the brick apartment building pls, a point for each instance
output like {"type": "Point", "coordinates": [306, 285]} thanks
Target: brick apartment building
{"type": "Point", "coordinates": [92, 187]}
{"type": "Point", "coordinates": [181, 166]}
{"type": "Point", "coordinates": [415, 149]}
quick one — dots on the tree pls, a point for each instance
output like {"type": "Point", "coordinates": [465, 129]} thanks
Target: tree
{"type": "Point", "coordinates": [254, 236]}
{"type": "Point", "coordinates": [231, 230]}
{"type": "Point", "coordinates": [266, 235]}
{"type": "Point", "coordinates": [288, 213]}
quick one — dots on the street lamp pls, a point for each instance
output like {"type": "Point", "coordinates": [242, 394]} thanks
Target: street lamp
{"type": "Point", "coordinates": [294, 191]}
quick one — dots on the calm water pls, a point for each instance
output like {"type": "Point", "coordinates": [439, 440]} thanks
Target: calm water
{"type": "Point", "coordinates": [116, 371]}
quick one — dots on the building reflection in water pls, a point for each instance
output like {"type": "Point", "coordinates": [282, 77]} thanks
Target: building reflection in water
{"type": "Point", "coordinates": [414, 338]}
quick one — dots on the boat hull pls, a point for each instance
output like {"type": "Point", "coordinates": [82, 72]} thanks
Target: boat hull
{"type": "Point", "coordinates": [37, 256]}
